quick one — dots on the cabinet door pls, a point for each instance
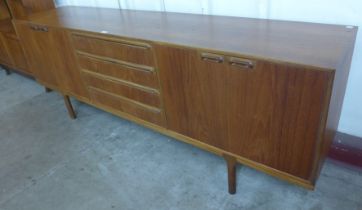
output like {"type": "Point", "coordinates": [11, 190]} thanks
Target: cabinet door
{"type": "Point", "coordinates": [4, 12]}
{"type": "Point", "coordinates": [17, 54]}
{"type": "Point", "coordinates": [39, 46]}
{"type": "Point", "coordinates": [51, 57]}
{"type": "Point", "coordinates": [4, 55]}
{"type": "Point", "coordinates": [194, 94]}
{"type": "Point", "coordinates": [276, 114]}
{"type": "Point", "coordinates": [270, 113]}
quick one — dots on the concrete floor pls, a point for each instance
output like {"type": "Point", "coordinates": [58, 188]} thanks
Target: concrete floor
{"type": "Point", "coordinates": [99, 161]}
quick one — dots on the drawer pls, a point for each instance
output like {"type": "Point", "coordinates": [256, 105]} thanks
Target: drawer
{"type": "Point", "coordinates": [124, 50]}
{"type": "Point", "coordinates": [120, 103]}
{"type": "Point", "coordinates": [142, 75]}
{"type": "Point", "coordinates": [132, 91]}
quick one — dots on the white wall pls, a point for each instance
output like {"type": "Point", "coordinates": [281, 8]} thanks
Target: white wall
{"type": "Point", "coordinates": [346, 12]}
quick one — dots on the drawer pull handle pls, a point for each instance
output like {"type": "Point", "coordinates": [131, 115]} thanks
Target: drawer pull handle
{"type": "Point", "coordinates": [212, 57]}
{"type": "Point", "coordinates": [242, 63]}
{"type": "Point", "coordinates": [39, 28]}
{"type": "Point", "coordinates": [135, 46]}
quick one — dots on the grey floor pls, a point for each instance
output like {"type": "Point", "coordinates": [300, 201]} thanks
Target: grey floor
{"type": "Point", "coordinates": [100, 161]}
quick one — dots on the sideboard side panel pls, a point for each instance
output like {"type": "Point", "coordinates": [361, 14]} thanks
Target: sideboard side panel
{"type": "Point", "coordinates": [337, 93]}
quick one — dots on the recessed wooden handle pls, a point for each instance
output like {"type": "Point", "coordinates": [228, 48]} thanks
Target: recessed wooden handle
{"type": "Point", "coordinates": [212, 57]}
{"type": "Point", "coordinates": [39, 28]}
{"type": "Point", "coordinates": [242, 63]}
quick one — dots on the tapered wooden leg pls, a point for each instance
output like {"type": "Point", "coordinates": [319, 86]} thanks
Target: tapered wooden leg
{"type": "Point", "coordinates": [231, 166]}
{"type": "Point", "coordinates": [47, 89]}
{"type": "Point", "coordinates": [69, 106]}
{"type": "Point", "coordinates": [7, 71]}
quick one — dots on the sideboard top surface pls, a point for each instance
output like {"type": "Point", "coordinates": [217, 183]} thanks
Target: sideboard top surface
{"type": "Point", "coordinates": [317, 45]}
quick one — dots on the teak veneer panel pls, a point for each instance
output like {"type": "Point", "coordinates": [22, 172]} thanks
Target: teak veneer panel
{"type": "Point", "coordinates": [269, 114]}
{"type": "Point", "coordinates": [12, 54]}
{"type": "Point", "coordinates": [194, 94]}
{"type": "Point", "coordinates": [51, 57]}
{"type": "Point", "coordinates": [17, 54]}
{"type": "Point", "coordinates": [275, 115]}
{"type": "Point", "coordinates": [4, 53]}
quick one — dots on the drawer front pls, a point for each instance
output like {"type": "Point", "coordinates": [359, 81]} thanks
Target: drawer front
{"type": "Point", "coordinates": [133, 73]}
{"type": "Point", "coordinates": [123, 88]}
{"type": "Point", "coordinates": [120, 103]}
{"type": "Point", "coordinates": [124, 50]}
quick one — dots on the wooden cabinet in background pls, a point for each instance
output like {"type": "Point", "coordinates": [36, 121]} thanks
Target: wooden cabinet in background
{"type": "Point", "coordinates": [11, 53]}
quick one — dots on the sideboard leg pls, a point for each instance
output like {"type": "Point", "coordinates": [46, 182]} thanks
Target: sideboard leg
{"type": "Point", "coordinates": [69, 106]}
{"type": "Point", "coordinates": [47, 90]}
{"type": "Point", "coordinates": [7, 70]}
{"type": "Point", "coordinates": [231, 166]}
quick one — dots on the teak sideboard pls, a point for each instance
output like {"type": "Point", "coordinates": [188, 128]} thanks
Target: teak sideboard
{"type": "Point", "coordinates": [263, 93]}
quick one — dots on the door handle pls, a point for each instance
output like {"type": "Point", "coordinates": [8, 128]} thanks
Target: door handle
{"type": "Point", "coordinates": [212, 57]}
{"type": "Point", "coordinates": [242, 63]}
{"type": "Point", "coordinates": [39, 28]}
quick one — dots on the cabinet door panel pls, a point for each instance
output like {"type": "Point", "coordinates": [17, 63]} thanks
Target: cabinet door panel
{"type": "Point", "coordinates": [51, 57]}
{"type": "Point", "coordinates": [40, 52]}
{"type": "Point", "coordinates": [4, 55]}
{"type": "Point", "coordinates": [194, 95]}
{"type": "Point", "coordinates": [271, 114]}
{"type": "Point", "coordinates": [275, 114]}
{"type": "Point", "coordinates": [17, 54]}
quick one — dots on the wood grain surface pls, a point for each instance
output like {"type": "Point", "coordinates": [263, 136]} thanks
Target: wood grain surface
{"type": "Point", "coordinates": [293, 42]}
